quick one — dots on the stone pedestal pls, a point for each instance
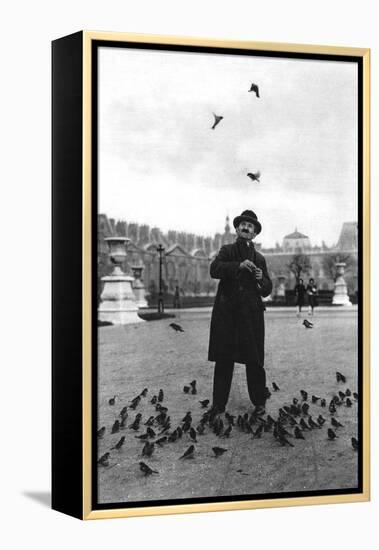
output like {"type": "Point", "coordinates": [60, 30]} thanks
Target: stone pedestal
{"type": "Point", "coordinates": [340, 297]}
{"type": "Point", "coordinates": [117, 301]}
{"type": "Point", "coordinates": [280, 295]}
{"type": "Point", "coordinates": [138, 286]}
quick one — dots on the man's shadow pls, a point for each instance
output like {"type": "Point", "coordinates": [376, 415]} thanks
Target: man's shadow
{"type": "Point", "coordinates": [41, 497]}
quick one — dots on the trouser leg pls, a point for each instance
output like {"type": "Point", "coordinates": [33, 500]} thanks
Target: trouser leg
{"type": "Point", "coordinates": [222, 381]}
{"type": "Point", "coordinates": [256, 383]}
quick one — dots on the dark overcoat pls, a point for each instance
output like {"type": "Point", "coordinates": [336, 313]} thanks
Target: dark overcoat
{"type": "Point", "coordinates": [237, 324]}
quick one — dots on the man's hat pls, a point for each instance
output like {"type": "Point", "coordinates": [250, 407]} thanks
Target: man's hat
{"type": "Point", "coordinates": [248, 216]}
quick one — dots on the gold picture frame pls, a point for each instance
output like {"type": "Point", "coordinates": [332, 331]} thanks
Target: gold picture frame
{"type": "Point", "coordinates": [74, 241]}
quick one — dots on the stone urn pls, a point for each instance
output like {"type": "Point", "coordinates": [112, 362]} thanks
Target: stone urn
{"type": "Point", "coordinates": [340, 297]}
{"type": "Point", "coordinates": [138, 286]}
{"type": "Point", "coordinates": [118, 304]}
{"type": "Point", "coordinates": [280, 295]}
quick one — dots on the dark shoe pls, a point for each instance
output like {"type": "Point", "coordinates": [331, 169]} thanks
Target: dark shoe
{"type": "Point", "coordinates": [259, 410]}
{"type": "Point", "coordinates": [216, 410]}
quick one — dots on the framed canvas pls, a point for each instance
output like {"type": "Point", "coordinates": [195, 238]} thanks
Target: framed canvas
{"type": "Point", "coordinates": [210, 275]}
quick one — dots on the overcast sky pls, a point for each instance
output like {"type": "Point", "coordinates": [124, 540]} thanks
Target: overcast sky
{"type": "Point", "coordinates": [160, 162]}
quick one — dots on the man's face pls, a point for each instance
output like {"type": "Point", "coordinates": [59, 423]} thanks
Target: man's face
{"type": "Point", "coordinates": [246, 230]}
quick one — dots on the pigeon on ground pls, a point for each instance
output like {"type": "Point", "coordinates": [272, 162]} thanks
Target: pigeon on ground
{"type": "Point", "coordinates": [161, 440]}
{"type": "Point", "coordinates": [254, 88]}
{"type": "Point", "coordinates": [176, 327]}
{"type": "Point", "coordinates": [192, 434]}
{"type": "Point", "coordinates": [123, 412]}
{"type": "Point", "coordinates": [321, 420]}
{"type": "Point", "coordinates": [101, 432]}
{"type": "Point", "coordinates": [218, 119]}
{"type": "Point", "coordinates": [315, 398]}
{"type": "Point", "coordinates": [275, 387]}
{"type": "Point", "coordinates": [298, 433]}
{"type": "Point", "coordinates": [204, 404]}
{"type": "Point", "coordinates": [304, 395]}
{"type": "Point", "coordinates": [227, 431]}
{"type": "Point", "coordinates": [104, 460]}
{"type": "Point", "coordinates": [186, 389]}
{"type": "Point", "coordinates": [307, 324]}
{"type": "Point", "coordinates": [144, 392]}
{"type": "Point", "coordinates": [148, 449]}
{"type": "Point", "coordinates": [115, 427]}
{"type": "Point", "coordinates": [348, 392]}
{"type": "Point", "coordinates": [340, 377]}
{"type": "Point", "coordinates": [336, 424]}
{"type": "Point", "coordinates": [119, 444]}
{"type": "Point", "coordinates": [354, 443]}
{"type": "Point", "coordinates": [331, 434]}
{"type": "Point", "coordinates": [323, 402]}
{"type": "Point", "coordinates": [189, 452]}
{"type": "Point", "coordinates": [160, 396]}
{"type": "Point", "coordinates": [218, 451]}
{"type": "Point", "coordinates": [112, 400]}
{"type": "Point", "coordinates": [146, 469]}
{"type": "Point", "coordinates": [348, 402]}
{"type": "Point", "coordinates": [154, 399]}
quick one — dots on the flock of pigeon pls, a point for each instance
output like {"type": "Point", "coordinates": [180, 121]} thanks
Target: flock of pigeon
{"type": "Point", "coordinates": [254, 176]}
{"type": "Point", "coordinates": [292, 422]}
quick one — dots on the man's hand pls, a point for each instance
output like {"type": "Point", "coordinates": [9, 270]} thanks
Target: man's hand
{"type": "Point", "coordinates": [250, 266]}
{"type": "Point", "coordinates": [247, 264]}
{"type": "Point", "coordinates": [258, 274]}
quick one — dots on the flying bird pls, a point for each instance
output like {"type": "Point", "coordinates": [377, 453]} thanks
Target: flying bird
{"type": "Point", "coordinates": [146, 469]}
{"type": "Point", "coordinates": [119, 444]}
{"type": "Point", "coordinates": [189, 452]}
{"type": "Point", "coordinates": [307, 324]}
{"type": "Point", "coordinates": [254, 88]}
{"type": "Point", "coordinates": [218, 119]}
{"type": "Point", "coordinates": [176, 327]}
{"type": "Point", "coordinates": [218, 451]}
{"type": "Point", "coordinates": [254, 177]}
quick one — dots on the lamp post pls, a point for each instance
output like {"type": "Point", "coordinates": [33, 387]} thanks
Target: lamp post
{"type": "Point", "coordinates": [160, 251]}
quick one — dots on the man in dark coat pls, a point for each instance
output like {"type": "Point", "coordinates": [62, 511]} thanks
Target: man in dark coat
{"type": "Point", "coordinates": [237, 325]}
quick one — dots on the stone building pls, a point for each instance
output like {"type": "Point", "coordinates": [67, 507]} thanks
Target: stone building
{"type": "Point", "coordinates": [187, 257]}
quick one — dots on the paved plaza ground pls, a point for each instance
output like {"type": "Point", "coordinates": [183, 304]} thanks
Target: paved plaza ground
{"type": "Point", "coordinates": [151, 355]}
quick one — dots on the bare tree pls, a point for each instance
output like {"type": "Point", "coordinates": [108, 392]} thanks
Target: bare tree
{"type": "Point", "coordinates": [299, 264]}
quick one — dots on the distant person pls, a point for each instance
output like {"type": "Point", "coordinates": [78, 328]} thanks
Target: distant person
{"type": "Point", "coordinates": [312, 296]}
{"type": "Point", "coordinates": [300, 293]}
{"type": "Point", "coordinates": [237, 325]}
{"type": "Point", "coordinates": [177, 298]}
